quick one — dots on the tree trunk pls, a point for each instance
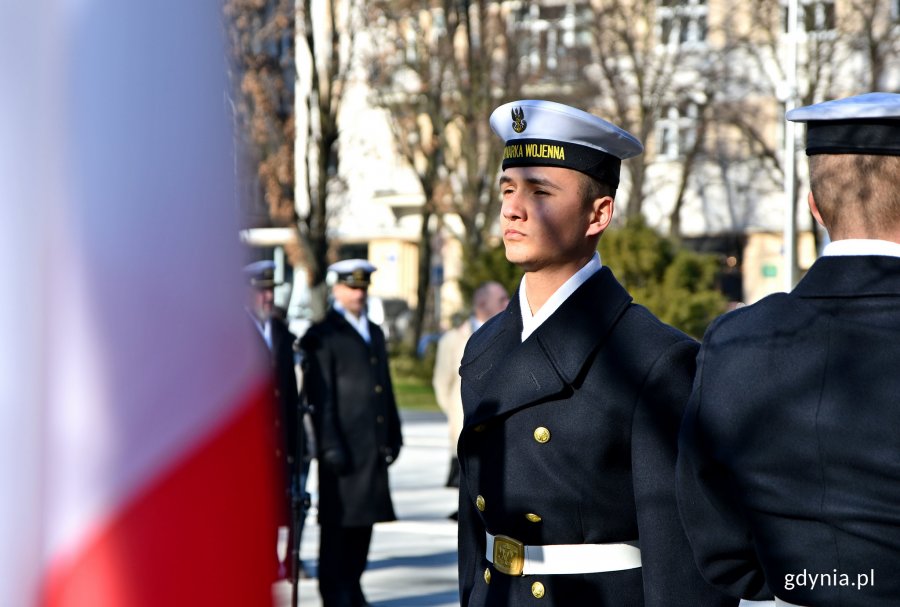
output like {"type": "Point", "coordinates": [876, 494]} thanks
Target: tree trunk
{"type": "Point", "coordinates": [424, 274]}
{"type": "Point", "coordinates": [635, 202]}
{"type": "Point", "coordinates": [687, 170]}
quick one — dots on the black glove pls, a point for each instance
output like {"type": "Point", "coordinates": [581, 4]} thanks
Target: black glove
{"type": "Point", "coordinates": [336, 461]}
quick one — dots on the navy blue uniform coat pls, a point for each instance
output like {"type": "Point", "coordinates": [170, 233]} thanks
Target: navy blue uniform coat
{"type": "Point", "coordinates": [609, 381]}
{"type": "Point", "coordinates": [286, 393]}
{"type": "Point", "coordinates": [349, 386]}
{"type": "Point", "coordinates": [285, 398]}
{"type": "Point", "coordinates": [790, 456]}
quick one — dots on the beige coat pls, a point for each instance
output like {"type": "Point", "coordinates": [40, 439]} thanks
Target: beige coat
{"type": "Point", "coordinates": [446, 379]}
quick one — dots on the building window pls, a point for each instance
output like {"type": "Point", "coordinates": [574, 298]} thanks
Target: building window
{"type": "Point", "coordinates": [818, 15]}
{"type": "Point", "coordinates": [815, 15]}
{"type": "Point", "coordinates": [353, 250]}
{"type": "Point", "coordinates": [682, 22]}
{"type": "Point", "coordinates": [554, 40]}
{"type": "Point", "coordinates": [676, 130]}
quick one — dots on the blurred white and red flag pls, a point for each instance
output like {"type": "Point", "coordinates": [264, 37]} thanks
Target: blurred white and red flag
{"type": "Point", "coordinates": [135, 460]}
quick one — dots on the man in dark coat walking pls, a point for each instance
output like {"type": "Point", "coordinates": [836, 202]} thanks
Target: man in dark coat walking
{"type": "Point", "coordinates": [789, 469]}
{"type": "Point", "coordinates": [572, 396]}
{"type": "Point", "coordinates": [358, 431]}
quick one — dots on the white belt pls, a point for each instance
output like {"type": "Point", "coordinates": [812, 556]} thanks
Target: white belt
{"type": "Point", "coordinates": [513, 558]}
{"type": "Point", "coordinates": [780, 603]}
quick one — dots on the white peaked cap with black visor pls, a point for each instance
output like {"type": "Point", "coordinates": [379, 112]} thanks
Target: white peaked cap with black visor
{"type": "Point", "coordinates": [350, 272]}
{"type": "Point", "coordinates": [862, 124]}
{"type": "Point", "coordinates": [545, 133]}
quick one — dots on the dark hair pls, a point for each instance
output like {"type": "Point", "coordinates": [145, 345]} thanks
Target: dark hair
{"type": "Point", "coordinates": [590, 189]}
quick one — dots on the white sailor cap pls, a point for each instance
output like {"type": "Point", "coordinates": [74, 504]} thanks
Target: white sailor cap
{"type": "Point", "coordinates": [544, 133]}
{"type": "Point", "coordinates": [863, 124]}
{"type": "Point", "coordinates": [261, 274]}
{"type": "Point", "coordinates": [351, 272]}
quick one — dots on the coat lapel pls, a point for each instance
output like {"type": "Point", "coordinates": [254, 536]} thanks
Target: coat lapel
{"type": "Point", "coordinates": [508, 375]}
{"type": "Point", "coordinates": [504, 374]}
{"type": "Point", "coordinates": [341, 323]}
{"type": "Point", "coordinates": [571, 334]}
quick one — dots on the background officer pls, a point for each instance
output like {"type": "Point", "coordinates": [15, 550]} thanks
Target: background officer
{"type": "Point", "coordinates": [790, 461]}
{"type": "Point", "coordinates": [358, 431]}
{"type": "Point", "coordinates": [572, 396]}
{"type": "Point", "coordinates": [489, 299]}
{"type": "Point", "coordinates": [277, 347]}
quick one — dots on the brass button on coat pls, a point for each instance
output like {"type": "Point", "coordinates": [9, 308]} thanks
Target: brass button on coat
{"type": "Point", "coordinates": [479, 428]}
{"type": "Point", "coordinates": [487, 575]}
{"type": "Point", "coordinates": [537, 589]}
{"type": "Point", "coordinates": [378, 389]}
{"type": "Point", "coordinates": [479, 503]}
{"type": "Point", "coordinates": [534, 518]}
{"type": "Point", "coordinates": [541, 434]}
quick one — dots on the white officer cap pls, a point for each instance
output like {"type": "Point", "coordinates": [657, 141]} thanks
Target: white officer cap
{"type": "Point", "coordinates": [544, 133]}
{"type": "Point", "coordinates": [351, 272]}
{"type": "Point", "coordinates": [863, 124]}
{"type": "Point", "coordinates": [261, 274]}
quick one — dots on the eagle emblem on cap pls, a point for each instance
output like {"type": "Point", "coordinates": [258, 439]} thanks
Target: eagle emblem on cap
{"type": "Point", "coordinates": [518, 116]}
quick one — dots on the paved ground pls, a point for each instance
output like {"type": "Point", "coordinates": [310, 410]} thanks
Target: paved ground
{"type": "Point", "coordinates": [412, 561]}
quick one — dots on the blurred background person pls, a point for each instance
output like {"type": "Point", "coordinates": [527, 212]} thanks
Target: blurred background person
{"type": "Point", "coordinates": [348, 384]}
{"type": "Point", "coordinates": [279, 352]}
{"type": "Point", "coordinates": [489, 299]}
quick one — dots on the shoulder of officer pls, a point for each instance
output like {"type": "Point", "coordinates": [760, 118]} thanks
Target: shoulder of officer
{"type": "Point", "coordinates": [322, 330]}
{"type": "Point", "coordinates": [280, 325]}
{"type": "Point", "coordinates": [483, 337]}
{"type": "Point", "coordinates": [312, 338]}
{"type": "Point", "coordinates": [756, 321]}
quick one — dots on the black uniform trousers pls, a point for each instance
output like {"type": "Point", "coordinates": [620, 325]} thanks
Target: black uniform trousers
{"type": "Point", "coordinates": [343, 553]}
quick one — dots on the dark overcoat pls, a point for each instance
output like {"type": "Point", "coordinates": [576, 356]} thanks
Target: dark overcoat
{"type": "Point", "coordinates": [286, 394]}
{"type": "Point", "coordinates": [790, 448]}
{"type": "Point", "coordinates": [608, 381]}
{"type": "Point", "coordinates": [349, 387]}
{"type": "Point", "coordinates": [285, 397]}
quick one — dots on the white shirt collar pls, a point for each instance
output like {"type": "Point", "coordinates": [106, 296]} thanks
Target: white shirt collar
{"type": "Point", "coordinates": [861, 246]}
{"type": "Point", "coordinates": [530, 322]}
{"type": "Point", "coordinates": [264, 328]}
{"type": "Point", "coordinates": [361, 324]}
